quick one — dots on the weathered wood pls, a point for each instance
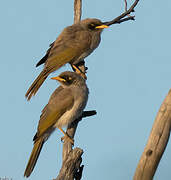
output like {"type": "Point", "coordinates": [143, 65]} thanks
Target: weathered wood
{"type": "Point", "coordinates": [157, 142]}
{"type": "Point", "coordinates": [67, 147]}
{"type": "Point", "coordinates": [72, 158]}
{"type": "Point", "coordinates": [70, 167]}
{"type": "Point", "coordinates": [77, 10]}
{"type": "Point", "coordinates": [77, 18]}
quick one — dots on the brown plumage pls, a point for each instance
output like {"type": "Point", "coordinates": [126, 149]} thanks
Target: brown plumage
{"type": "Point", "coordinates": [74, 44]}
{"type": "Point", "coordinates": [34, 156]}
{"type": "Point", "coordinates": [66, 104]}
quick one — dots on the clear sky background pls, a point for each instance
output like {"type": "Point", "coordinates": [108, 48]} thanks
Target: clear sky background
{"type": "Point", "coordinates": [128, 77]}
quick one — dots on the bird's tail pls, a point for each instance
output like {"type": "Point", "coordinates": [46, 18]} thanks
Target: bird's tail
{"type": "Point", "coordinates": [36, 84]}
{"type": "Point", "coordinates": [34, 156]}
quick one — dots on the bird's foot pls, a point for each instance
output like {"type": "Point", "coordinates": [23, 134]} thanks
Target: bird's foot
{"type": "Point", "coordinates": [78, 71]}
{"type": "Point", "coordinates": [67, 138]}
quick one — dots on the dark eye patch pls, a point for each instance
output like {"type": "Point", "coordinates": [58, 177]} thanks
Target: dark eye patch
{"type": "Point", "coordinates": [67, 78]}
{"type": "Point", "coordinates": [92, 26]}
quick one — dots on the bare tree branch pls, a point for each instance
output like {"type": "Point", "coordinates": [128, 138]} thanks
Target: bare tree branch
{"type": "Point", "coordinates": [127, 12]}
{"type": "Point", "coordinates": [77, 18]}
{"type": "Point", "coordinates": [157, 142]}
{"type": "Point", "coordinates": [71, 166]}
{"type": "Point", "coordinates": [77, 10]}
{"type": "Point", "coordinates": [88, 113]}
{"type": "Point", "coordinates": [126, 5]}
{"type": "Point", "coordinates": [67, 146]}
{"type": "Point", "coordinates": [126, 19]}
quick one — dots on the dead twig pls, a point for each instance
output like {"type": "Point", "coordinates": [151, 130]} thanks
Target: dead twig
{"type": "Point", "coordinates": [121, 18]}
{"type": "Point", "coordinates": [125, 5]}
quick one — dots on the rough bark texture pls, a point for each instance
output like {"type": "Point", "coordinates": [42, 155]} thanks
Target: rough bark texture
{"type": "Point", "coordinates": [77, 10]}
{"type": "Point", "coordinates": [67, 147]}
{"type": "Point", "coordinates": [157, 142]}
{"type": "Point", "coordinates": [71, 166]}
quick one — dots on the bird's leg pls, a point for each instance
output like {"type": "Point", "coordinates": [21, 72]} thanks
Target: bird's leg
{"type": "Point", "coordinates": [78, 71]}
{"type": "Point", "coordinates": [66, 137]}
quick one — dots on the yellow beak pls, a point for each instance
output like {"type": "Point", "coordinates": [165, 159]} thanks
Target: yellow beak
{"type": "Point", "coordinates": [58, 79]}
{"type": "Point", "coordinates": [102, 26]}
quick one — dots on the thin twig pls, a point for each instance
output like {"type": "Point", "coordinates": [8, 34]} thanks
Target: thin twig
{"type": "Point", "coordinates": [88, 113]}
{"type": "Point", "coordinates": [119, 18]}
{"type": "Point", "coordinates": [126, 5]}
{"type": "Point", "coordinates": [126, 8]}
{"type": "Point", "coordinates": [126, 19]}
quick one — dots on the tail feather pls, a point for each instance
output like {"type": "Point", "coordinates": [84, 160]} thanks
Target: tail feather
{"type": "Point", "coordinates": [36, 85]}
{"type": "Point", "coordinates": [34, 156]}
{"type": "Point", "coordinates": [52, 65]}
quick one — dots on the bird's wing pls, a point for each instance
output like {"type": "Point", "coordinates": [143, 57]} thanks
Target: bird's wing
{"type": "Point", "coordinates": [67, 47]}
{"type": "Point", "coordinates": [46, 55]}
{"type": "Point", "coordinates": [60, 102]}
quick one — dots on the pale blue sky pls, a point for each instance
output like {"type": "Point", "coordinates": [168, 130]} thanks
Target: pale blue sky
{"type": "Point", "coordinates": [129, 75]}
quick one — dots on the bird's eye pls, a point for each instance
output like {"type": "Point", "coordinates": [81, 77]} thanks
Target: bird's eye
{"type": "Point", "coordinates": [91, 26]}
{"type": "Point", "coordinates": [69, 79]}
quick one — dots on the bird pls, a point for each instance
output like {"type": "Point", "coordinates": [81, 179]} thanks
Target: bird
{"type": "Point", "coordinates": [74, 44]}
{"type": "Point", "coordinates": [65, 105]}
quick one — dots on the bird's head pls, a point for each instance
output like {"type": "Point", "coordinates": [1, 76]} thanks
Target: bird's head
{"type": "Point", "coordinates": [93, 25]}
{"type": "Point", "coordinates": [69, 78]}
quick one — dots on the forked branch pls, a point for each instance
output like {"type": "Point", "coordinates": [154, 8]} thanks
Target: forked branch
{"type": "Point", "coordinates": [122, 18]}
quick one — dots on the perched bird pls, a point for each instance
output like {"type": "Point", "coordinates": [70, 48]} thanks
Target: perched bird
{"type": "Point", "coordinates": [66, 104]}
{"type": "Point", "coordinates": [74, 44]}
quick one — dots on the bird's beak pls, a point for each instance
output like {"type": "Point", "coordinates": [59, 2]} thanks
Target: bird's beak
{"type": "Point", "coordinates": [58, 79]}
{"type": "Point", "coordinates": [102, 26]}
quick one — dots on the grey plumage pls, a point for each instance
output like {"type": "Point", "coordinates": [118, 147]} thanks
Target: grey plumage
{"type": "Point", "coordinates": [66, 104]}
{"type": "Point", "coordinates": [74, 44]}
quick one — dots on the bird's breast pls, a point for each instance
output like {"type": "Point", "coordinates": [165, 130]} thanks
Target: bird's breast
{"type": "Point", "coordinates": [80, 101]}
{"type": "Point", "coordinates": [95, 40]}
